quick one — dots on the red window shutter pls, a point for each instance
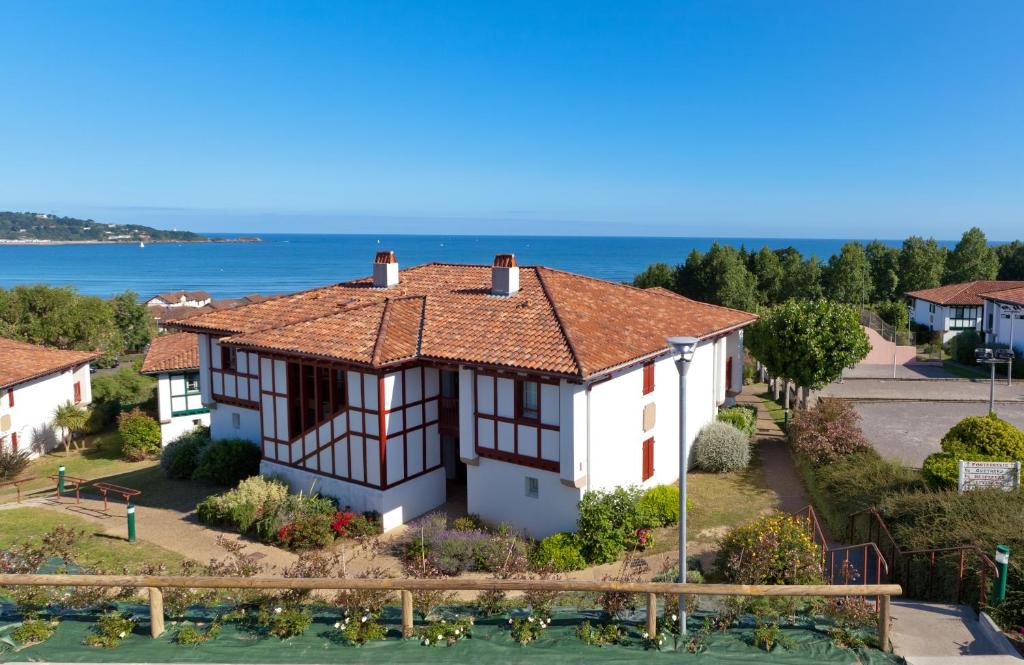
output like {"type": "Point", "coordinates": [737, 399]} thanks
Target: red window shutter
{"type": "Point", "coordinates": [14, 442]}
{"type": "Point", "coordinates": [10, 397]}
{"type": "Point", "coordinates": [648, 378]}
{"type": "Point", "coordinates": [648, 462]}
{"type": "Point", "coordinates": [728, 373]}
{"type": "Point", "coordinates": [78, 392]}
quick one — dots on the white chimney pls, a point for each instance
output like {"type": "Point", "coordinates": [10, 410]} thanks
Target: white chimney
{"type": "Point", "coordinates": [504, 275]}
{"type": "Point", "coordinates": [385, 270]}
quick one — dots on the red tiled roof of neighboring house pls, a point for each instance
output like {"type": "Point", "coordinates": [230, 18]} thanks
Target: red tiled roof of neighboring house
{"type": "Point", "coordinates": [21, 361]}
{"type": "Point", "coordinates": [1014, 296]}
{"type": "Point", "coordinates": [176, 296]}
{"type": "Point", "coordinates": [169, 353]}
{"type": "Point", "coordinates": [968, 293]}
{"type": "Point", "coordinates": [558, 322]}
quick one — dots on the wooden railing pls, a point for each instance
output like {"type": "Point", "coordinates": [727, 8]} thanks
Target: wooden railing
{"type": "Point", "coordinates": [155, 584]}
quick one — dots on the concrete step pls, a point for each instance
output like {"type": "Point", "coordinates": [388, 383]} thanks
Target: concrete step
{"type": "Point", "coordinates": [932, 633]}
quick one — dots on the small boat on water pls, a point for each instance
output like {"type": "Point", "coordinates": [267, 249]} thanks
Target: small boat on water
{"type": "Point", "coordinates": [142, 244]}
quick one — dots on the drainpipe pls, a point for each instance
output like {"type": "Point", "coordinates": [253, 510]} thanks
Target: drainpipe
{"type": "Point", "coordinates": [589, 386]}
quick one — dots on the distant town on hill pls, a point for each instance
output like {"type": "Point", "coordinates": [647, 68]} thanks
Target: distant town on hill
{"type": "Point", "coordinates": [40, 227]}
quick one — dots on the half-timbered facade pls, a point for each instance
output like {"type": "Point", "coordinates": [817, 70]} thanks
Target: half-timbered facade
{"type": "Point", "coordinates": [520, 388]}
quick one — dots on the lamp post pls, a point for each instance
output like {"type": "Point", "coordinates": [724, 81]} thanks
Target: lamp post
{"type": "Point", "coordinates": [685, 347]}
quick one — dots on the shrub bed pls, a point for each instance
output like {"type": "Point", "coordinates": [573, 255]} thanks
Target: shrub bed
{"type": "Point", "coordinates": [452, 551]}
{"type": "Point", "coordinates": [227, 461]}
{"type": "Point", "coordinates": [827, 432]}
{"type": "Point", "coordinates": [772, 549]}
{"type": "Point", "coordinates": [975, 438]}
{"type": "Point", "coordinates": [559, 552]}
{"type": "Point", "coordinates": [743, 418]}
{"type": "Point", "coordinates": [180, 458]}
{"type": "Point", "coordinates": [720, 448]}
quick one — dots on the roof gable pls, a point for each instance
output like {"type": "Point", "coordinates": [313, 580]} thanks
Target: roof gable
{"type": "Point", "coordinates": [173, 352]}
{"type": "Point", "coordinates": [21, 361]}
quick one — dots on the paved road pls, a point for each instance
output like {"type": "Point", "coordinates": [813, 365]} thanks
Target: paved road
{"type": "Point", "coordinates": [910, 431]}
{"type": "Point", "coordinates": [914, 371]}
{"type": "Point", "coordinates": [935, 390]}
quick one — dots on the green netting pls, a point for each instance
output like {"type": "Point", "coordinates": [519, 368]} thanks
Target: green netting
{"type": "Point", "coordinates": [491, 642]}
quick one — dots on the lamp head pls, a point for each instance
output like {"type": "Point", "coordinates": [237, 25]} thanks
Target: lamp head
{"type": "Point", "coordinates": [684, 346]}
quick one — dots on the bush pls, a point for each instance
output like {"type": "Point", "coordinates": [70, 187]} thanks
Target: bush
{"type": "Point", "coordinates": [720, 448]}
{"type": "Point", "coordinates": [659, 506]}
{"type": "Point", "coordinates": [242, 507]}
{"type": "Point", "coordinates": [125, 387]}
{"type": "Point", "coordinates": [741, 417]}
{"type": "Point", "coordinates": [772, 549]}
{"type": "Point", "coordinates": [140, 435]}
{"type": "Point", "coordinates": [308, 530]}
{"type": "Point", "coordinates": [985, 518]}
{"type": "Point", "coordinates": [852, 483]}
{"type": "Point", "coordinates": [894, 313]}
{"type": "Point", "coordinates": [11, 462]}
{"type": "Point", "coordinates": [609, 523]}
{"type": "Point", "coordinates": [961, 347]}
{"type": "Point", "coordinates": [180, 458]}
{"type": "Point", "coordinates": [975, 438]}
{"type": "Point", "coordinates": [451, 552]}
{"type": "Point", "coordinates": [559, 552]}
{"type": "Point", "coordinates": [228, 461]}
{"type": "Point", "coordinates": [827, 432]}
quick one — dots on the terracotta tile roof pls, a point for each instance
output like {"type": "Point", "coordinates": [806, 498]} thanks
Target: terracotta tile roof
{"type": "Point", "coordinates": [558, 322]}
{"type": "Point", "coordinates": [168, 353]}
{"type": "Point", "coordinates": [21, 361]}
{"type": "Point", "coordinates": [1013, 296]}
{"type": "Point", "coordinates": [968, 293]}
{"type": "Point", "coordinates": [177, 296]}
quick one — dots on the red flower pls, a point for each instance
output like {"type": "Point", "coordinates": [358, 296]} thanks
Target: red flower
{"type": "Point", "coordinates": [642, 535]}
{"type": "Point", "coordinates": [285, 532]}
{"type": "Point", "coordinates": [340, 521]}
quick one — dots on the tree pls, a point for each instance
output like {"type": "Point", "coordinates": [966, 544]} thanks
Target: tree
{"type": "Point", "coordinates": [656, 274]}
{"type": "Point", "coordinates": [922, 263]}
{"type": "Point", "coordinates": [848, 275]}
{"type": "Point", "coordinates": [720, 277]}
{"type": "Point", "coordinates": [801, 278]}
{"type": "Point", "coordinates": [971, 259]}
{"type": "Point", "coordinates": [809, 342]}
{"type": "Point", "coordinates": [70, 419]}
{"type": "Point", "coordinates": [133, 320]}
{"type": "Point", "coordinates": [885, 269]}
{"type": "Point", "coordinates": [766, 267]}
{"type": "Point", "coordinates": [1011, 260]}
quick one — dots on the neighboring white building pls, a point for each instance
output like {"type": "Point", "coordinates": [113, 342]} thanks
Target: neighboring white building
{"type": "Point", "coordinates": [953, 308]}
{"type": "Point", "coordinates": [180, 299]}
{"type": "Point", "coordinates": [34, 381]}
{"type": "Point", "coordinates": [1003, 318]}
{"type": "Point", "coordinates": [174, 361]}
{"type": "Point", "coordinates": [520, 387]}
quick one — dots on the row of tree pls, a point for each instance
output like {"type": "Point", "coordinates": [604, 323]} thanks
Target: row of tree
{"type": "Point", "coordinates": [858, 274]}
{"type": "Point", "coordinates": [63, 318]}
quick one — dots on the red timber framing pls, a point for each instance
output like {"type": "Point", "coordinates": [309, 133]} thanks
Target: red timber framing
{"type": "Point", "coordinates": [231, 375]}
{"type": "Point", "coordinates": [354, 429]}
{"type": "Point", "coordinates": [493, 419]}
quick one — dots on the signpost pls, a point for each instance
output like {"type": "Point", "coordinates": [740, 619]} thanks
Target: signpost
{"type": "Point", "coordinates": [992, 357]}
{"type": "Point", "coordinates": [988, 475]}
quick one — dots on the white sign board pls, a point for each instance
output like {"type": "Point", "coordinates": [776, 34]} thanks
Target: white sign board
{"type": "Point", "coordinates": [989, 475]}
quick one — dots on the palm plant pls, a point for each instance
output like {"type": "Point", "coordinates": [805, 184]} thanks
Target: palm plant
{"type": "Point", "coordinates": [70, 419]}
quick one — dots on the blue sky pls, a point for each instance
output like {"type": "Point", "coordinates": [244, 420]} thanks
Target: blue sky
{"type": "Point", "coordinates": [812, 119]}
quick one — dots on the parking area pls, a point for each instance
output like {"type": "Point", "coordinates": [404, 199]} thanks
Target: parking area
{"type": "Point", "coordinates": [912, 371]}
{"type": "Point", "coordinates": [910, 431]}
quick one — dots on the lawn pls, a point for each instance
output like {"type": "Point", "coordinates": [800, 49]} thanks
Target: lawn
{"type": "Point", "coordinates": [100, 458]}
{"type": "Point", "coordinates": [966, 371]}
{"type": "Point", "coordinates": [769, 406]}
{"type": "Point", "coordinates": [96, 547]}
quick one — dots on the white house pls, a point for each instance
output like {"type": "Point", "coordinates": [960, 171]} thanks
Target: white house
{"type": "Point", "coordinates": [174, 361]}
{"type": "Point", "coordinates": [180, 299]}
{"type": "Point", "coordinates": [521, 387]}
{"type": "Point", "coordinates": [34, 381]}
{"type": "Point", "coordinates": [1003, 318]}
{"type": "Point", "coordinates": [953, 308]}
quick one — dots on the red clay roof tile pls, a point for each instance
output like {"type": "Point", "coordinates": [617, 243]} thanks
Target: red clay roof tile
{"type": "Point", "coordinates": [21, 361]}
{"type": "Point", "coordinates": [168, 353]}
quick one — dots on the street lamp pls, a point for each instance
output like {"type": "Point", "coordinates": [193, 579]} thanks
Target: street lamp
{"type": "Point", "coordinates": [685, 347]}
{"type": "Point", "coordinates": [990, 357]}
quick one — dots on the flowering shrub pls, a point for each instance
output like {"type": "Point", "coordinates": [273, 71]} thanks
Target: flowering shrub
{"type": "Point", "coordinates": [356, 630]}
{"type": "Point", "coordinates": [600, 635]}
{"type": "Point", "coordinates": [283, 622]}
{"type": "Point", "coordinates": [34, 630]}
{"type": "Point", "coordinates": [528, 628]}
{"type": "Point", "coordinates": [609, 522]}
{"type": "Point", "coordinates": [242, 507]}
{"type": "Point", "coordinates": [192, 634]}
{"type": "Point", "coordinates": [827, 432]}
{"type": "Point", "coordinates": [773, 549]}
{"type": "Point", "coordinates": [720, 448]}
{"type": "Point", "coordinates": [446, 632]}
{"type": "Point", "coordinates": [452, 551]}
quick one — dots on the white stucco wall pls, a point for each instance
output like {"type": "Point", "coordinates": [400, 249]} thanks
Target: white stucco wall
{"type": "Point", "coordinates": [224, 425]}
{"type": "Point", "coordinates": [1004, 330]}
{"type": "Point", "coordinates": [497, 492]}
{"type": "Point", "coordinates": [397, 505]}
{"type": "Point", "coordinates": [34, 404]}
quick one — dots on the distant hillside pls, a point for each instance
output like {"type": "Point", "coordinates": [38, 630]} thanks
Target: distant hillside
{"type": "Point", "coordinates": [38, 226]}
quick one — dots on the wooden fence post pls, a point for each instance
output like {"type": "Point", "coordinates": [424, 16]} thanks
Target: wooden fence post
{"type": "Point", "coordinates": [883, 624]}
{"type": "Point", "coordinates": [407, 625]}
{"type": "Point", "coordinates": [156, 611]}
{"type": "Point", "coordinates": [652, 615]}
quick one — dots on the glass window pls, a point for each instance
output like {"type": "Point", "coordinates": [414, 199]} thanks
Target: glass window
{"type": "Point", "coordinates": [529, 400]}
{"type": "Point", "coordinates": [532, 487]}
{"type": "Point", "coordinates": [338, 401]}
{"type": "Point", "coordinates": [192, 383]}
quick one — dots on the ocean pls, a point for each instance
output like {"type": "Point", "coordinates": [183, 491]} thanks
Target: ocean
{"type": "Point", "coordinates": [284, 263]}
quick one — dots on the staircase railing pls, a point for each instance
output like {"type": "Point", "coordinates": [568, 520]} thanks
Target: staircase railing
{"type": "Point", "coordinates": [952, 574]}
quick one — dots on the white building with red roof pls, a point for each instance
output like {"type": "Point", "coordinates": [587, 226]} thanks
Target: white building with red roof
{"type": "Point", "coordinates": [1003, 318]}
{"type": "Point", "coordinates": [34, 381]}
{"type": "Point", "coordinates": [953, 308]}
{"type": "Point", "coordinates": [174, 360]}
{"type": "Point", "coordinates": [522, 387]}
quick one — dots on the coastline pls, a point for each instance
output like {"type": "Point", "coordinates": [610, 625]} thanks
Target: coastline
{"type": "Point", "coordinates": [52, 243]}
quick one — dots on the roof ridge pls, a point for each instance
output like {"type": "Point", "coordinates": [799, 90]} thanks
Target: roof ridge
{"type": "Point", "coordinates": [382, 327]}
{"type": "Point", "coordinates": [558, 319]}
